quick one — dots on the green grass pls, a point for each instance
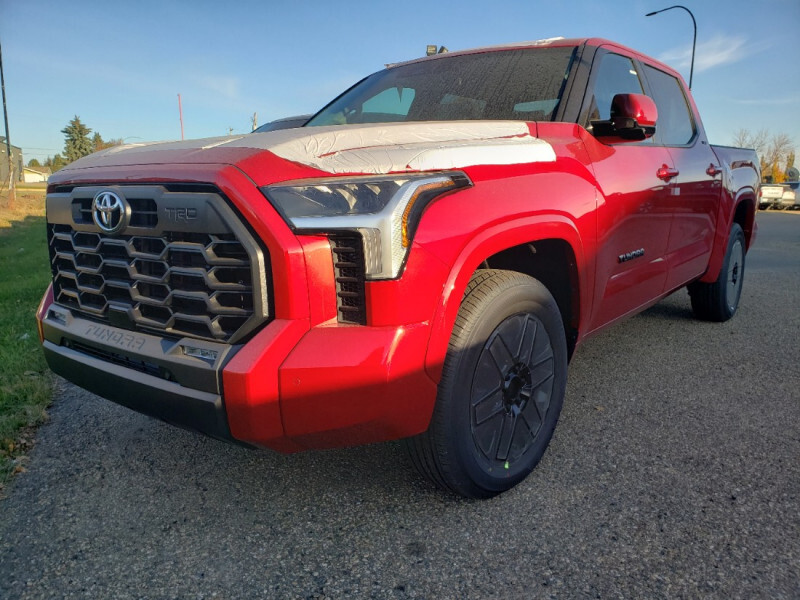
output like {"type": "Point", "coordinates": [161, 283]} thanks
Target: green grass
{"type": "Point", "coordinates": [25, 382]}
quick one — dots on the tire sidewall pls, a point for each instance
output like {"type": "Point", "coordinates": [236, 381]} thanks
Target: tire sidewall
{"type": "Point", "coordinates": [736, 235]}
{"type": "Point", "coordinates": [522, 298]}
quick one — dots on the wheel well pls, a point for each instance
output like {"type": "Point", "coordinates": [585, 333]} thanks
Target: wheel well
{"type": "Point", "coordinates": [745, 216]}
{"type": "Point", "coordinates": [553, 263]}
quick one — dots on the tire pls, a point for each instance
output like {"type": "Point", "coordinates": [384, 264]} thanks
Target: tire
{"type": "Point", "coordinates": [718, 301]}
{"type": "Point", "coordinates": [501, 391]}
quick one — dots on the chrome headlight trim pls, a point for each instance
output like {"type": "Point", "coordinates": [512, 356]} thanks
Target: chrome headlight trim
{"type": "Point", "coordinates": [388, 227]}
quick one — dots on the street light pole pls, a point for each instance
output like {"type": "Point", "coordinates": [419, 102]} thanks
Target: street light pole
{"type": "Point", "coordinates": [694, 40]}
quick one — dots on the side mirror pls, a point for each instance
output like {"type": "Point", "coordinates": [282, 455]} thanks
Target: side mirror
{"type": "Point", "coordinates": [633, 118]}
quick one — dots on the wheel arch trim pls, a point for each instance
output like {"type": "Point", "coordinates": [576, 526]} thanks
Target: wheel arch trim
{"type": "Point", "coordinates": [745, 201]}
{"type": "Point", "coordinates": [488, 243]}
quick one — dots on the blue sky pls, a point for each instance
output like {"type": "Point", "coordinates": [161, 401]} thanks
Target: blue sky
{"type": "Point", "coordinates": [121, 65]}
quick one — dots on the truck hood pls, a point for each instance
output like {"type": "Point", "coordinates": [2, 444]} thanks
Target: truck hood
{"type": "Point", "coordinates": [357, 149]}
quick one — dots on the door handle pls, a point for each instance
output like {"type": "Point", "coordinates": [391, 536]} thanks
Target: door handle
{"type": "Point", "coordinates": [666, 173]}
{"type": "Point", "coordinates": [713, 170]}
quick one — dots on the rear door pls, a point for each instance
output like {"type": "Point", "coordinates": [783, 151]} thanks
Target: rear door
{"type": "Point", "coordinates": [697, 185]}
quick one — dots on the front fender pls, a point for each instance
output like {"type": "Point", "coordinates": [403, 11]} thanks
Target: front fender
{"type": "Point", "coordinates": [483, 245]}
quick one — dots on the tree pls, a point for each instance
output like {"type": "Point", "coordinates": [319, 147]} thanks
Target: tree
{"type": "Point", "coordinates": [55, 163]}
{"type": "Point", "coordinates": [789, 163]}
{"type": "Point", "coordinates": [773, 151]}
{"type": "Point", "coordinates": [778, 149]}
{"type": "Point", "coordinates": [77, 143]}
{"type": "Point", "coordinates": [34, 163]}
{"type": "Point", "coordinates": [757, 141]}
{"type": "Point", "coordinates": [99, 143]}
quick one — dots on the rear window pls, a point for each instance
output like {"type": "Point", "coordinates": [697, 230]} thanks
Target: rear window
{"type": "Point", "coordinates": [521, 85]}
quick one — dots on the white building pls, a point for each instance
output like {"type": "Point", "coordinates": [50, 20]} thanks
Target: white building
{"type": "Point", "coordinates": [36, 174]}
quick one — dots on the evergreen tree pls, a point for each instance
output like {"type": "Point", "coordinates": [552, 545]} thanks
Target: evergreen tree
{"type": "Point", "coordinates": [34, 163]}
{"type": "Point", "coordinates": [55, 163]}
{"type": "Point", "coordinates": [97, 142]}
{"type": "Point", "coordinates": [77, 143]}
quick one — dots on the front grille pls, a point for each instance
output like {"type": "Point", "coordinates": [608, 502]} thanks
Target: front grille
{"type": "Point", "coordinates": [204, 278]}
{"type": "Point", "coordinates": [349, 272]}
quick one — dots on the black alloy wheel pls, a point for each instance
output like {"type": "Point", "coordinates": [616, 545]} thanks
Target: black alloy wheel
{"type": "Point", "coordinates": [501, 391]}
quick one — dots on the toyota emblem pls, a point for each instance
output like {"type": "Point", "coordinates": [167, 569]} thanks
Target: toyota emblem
{"type": "Point", "coordinates": [110, 212]}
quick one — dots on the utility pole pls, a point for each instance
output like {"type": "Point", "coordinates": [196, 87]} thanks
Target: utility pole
{"type": "Point", "coordinates": [11, 191]}
{"type": "Point", "coordinates": [254, 121]}
{"type": "Point", "coordinates": [180, 113]}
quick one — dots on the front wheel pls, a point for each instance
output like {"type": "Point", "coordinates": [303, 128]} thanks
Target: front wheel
{"type": "Point", "coordinates": [501, 391]}
{"type": "Point", "coordinates": [718, 301]}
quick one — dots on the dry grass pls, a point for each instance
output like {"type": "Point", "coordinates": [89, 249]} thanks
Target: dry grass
{"type": "Point", "coordinates": [29, 203]}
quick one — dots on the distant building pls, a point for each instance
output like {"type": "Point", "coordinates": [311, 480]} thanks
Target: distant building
{"type": "Point", "coordinates": [16, 161]}
{"type": "Point", "coordinates": [36, 174]}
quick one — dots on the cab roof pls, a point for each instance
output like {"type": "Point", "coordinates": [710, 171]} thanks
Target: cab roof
{"type": "Point", "coordinates": [555, 42]}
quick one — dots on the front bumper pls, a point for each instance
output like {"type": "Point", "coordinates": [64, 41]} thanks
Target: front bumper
{"type": "Point", "coordinates": [291, 387]}
{"type": "Point", "coordinates": [140, 371]}
{"type": "Point", "coordinates": [334, 386]}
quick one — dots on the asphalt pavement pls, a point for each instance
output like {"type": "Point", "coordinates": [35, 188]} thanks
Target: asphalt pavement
{"type": "Point", "coordinates": [674, 472]}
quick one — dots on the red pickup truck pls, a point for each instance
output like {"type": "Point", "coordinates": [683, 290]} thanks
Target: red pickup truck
{"type": "Point", "coordinates": [420, 260]}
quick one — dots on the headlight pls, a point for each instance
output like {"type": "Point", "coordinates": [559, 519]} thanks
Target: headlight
{"type": "Point", "coordinates": [384, 209]}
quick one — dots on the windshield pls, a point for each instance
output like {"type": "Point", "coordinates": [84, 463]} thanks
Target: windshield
{"type": "Point", "coordinates": [519, 85]}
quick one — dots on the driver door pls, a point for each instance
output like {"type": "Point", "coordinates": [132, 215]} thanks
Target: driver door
{"type": "Point", "coordinates": [633, 214]}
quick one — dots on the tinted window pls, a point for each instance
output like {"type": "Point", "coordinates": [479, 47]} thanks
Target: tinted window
{"type": "Point", "coordinates": [616, 75]}
{"type": "Point", "coordinates": [674, 126]}
{"type": "Point", "coordinates": [519, 85]}
{"type": "Point", "coordinates": [391, 102]}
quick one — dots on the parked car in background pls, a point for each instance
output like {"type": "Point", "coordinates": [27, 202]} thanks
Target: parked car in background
{"type": "Point", "coordinates": [769, 195]}
{"type": "Point", "coordinates": [284, 123]}
{"type": "Point", "coordinates": [789, 198]}
{"type": "Point", "coordinates": [779, 196]}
